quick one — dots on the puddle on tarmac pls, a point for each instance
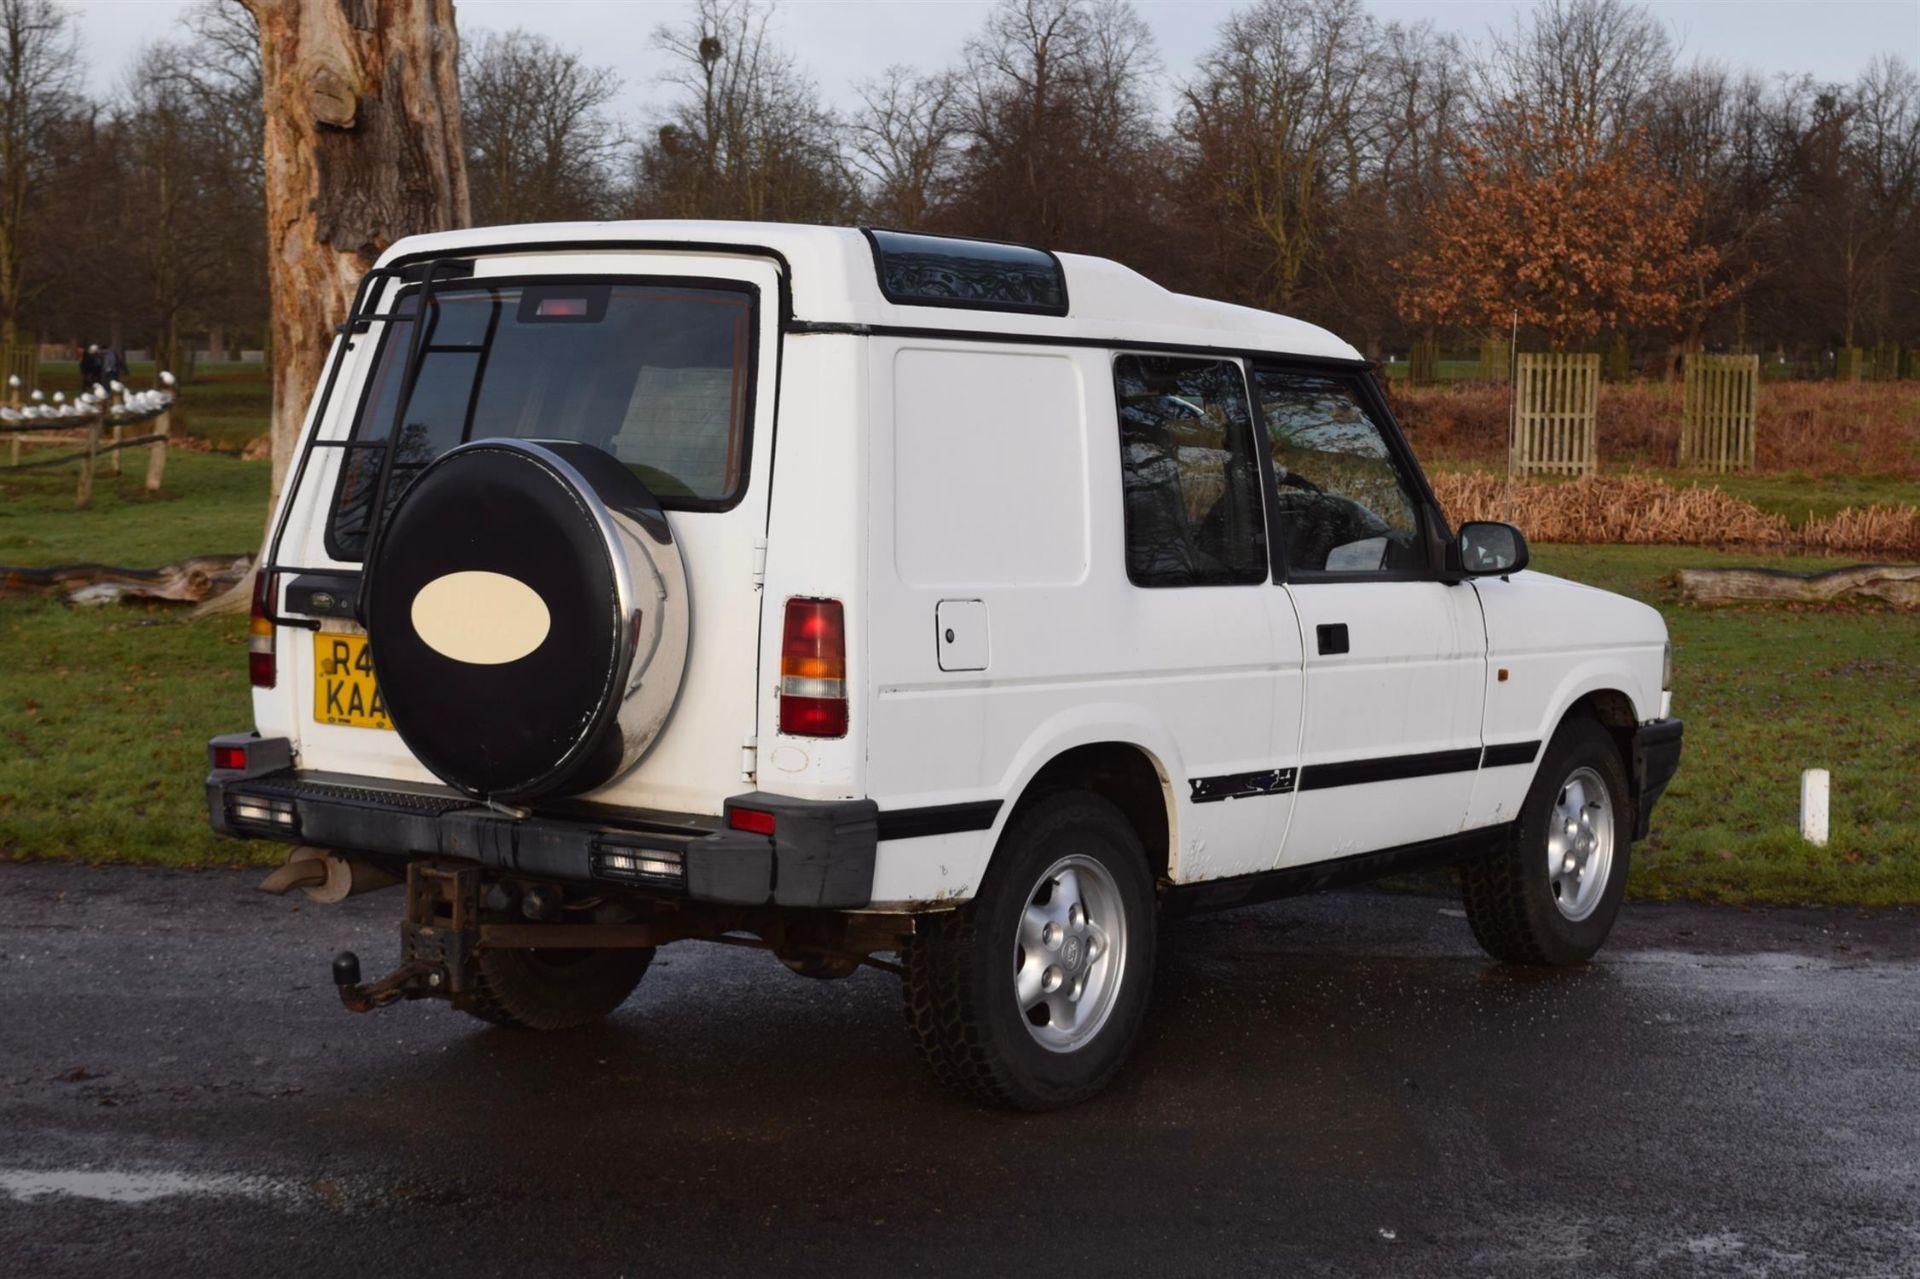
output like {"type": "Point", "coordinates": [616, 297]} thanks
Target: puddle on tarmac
{"type": "Point", "coordinates": [125, 1187]}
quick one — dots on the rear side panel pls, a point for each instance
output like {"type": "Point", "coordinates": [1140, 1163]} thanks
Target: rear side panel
{"type": "Point", "coordinates": [697, 760]}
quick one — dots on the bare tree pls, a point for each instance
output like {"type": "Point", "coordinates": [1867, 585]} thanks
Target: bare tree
{"type": "Point", "coordinates": [1271, 128]}
{"type": "Point", "coordinates": [173, 239]}
{"type": "Point", "coordinates": [540, 146]}
{"type": "Point", "coordinates": [38, 73]}
{"type": "Point", "coordinates": [1583, 69]}
{"type": "Point", "coordinates": [1401, 163]}
{"type": "Point", "coordinates": [902, 142]}
{"type": "Point", "coordinates": [749, 136]}
{"type": "Point", "coordinates": [1057, 126]}
{"type": "Point", "coordinates": [1884, 156]}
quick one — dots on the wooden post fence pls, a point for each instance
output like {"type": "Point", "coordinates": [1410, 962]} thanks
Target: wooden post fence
{"type": "Point", "coordinates": [157, 453]}
{"type": "Point", "coordinates": [98, 426]}
{"type": "Point", "coordinates": [1556, 406]}
{"type": "Point", "coordinates": [1717, 411]}
{"type": "Point", "coordinates": [85, 496]}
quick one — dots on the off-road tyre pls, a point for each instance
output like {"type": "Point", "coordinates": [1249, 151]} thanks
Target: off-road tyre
{"type": "Point", "coordinates": [1508, 893]}
{"type": "Point", "coordinates": [554, 989]}
{"type": "Point", "coordinates": [961, 1004]}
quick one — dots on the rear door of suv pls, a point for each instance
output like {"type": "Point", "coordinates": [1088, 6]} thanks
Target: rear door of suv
{"type": "Point", "coordinates": [667, 361]}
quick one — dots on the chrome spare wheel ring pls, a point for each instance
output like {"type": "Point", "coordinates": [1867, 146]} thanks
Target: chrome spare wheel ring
{"type": "Point", "coordinates": [1070, 954]}
{"type": "Point", "coordinates": [1580, 839]}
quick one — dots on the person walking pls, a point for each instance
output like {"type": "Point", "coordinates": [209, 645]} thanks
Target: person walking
{"type": "Point", "coordinates": [90, 369]}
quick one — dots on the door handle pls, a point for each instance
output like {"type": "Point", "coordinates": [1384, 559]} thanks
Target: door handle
{"type": "Point", "coordinates": [1332, 637]}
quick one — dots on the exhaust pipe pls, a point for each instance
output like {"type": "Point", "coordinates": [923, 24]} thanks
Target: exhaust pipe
{"type": "Point", "coordinates": [326, 878]}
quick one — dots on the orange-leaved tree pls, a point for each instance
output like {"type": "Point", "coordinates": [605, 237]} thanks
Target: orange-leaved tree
{"type": "Point", "coordinates": [1572, 231]}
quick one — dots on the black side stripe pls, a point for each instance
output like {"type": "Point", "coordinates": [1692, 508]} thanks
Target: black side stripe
{"type": "Point", "coordinates": [1354, 772]}
{"type": "Point", "coordinates": [1510, 753]}
{"type": "Point", "coordinates": [937, 819]}
{"type": "Point", "coordinates": [1357, 772]}
{"type": "Point", "coordinates": [1271, 781]}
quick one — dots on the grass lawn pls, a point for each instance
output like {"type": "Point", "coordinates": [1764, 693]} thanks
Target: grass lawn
{"type": "Point", "coordinates": [208, 504]}
{"type": "Point", "coordinates": [1766, 692]}
{"type": "Point", "coordinates": [104, 713]}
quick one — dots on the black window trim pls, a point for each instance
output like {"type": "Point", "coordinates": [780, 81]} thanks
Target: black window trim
{"type": "Point", "coordinates": [750, 289]}
{"type": "Point", "coordinates": [1114, 355]}
{"type": "Point", "coordinates": [1430, 524]}
{"type": "Point", "coordinates": [966, 304]}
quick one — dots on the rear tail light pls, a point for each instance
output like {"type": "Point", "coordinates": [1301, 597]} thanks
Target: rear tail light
{"type": "Point", "coordinates": [813, 669]}
{"type": "Point", "coordinates": [230, 757]}
{"type": "Point", "coordinates": [261, 668]}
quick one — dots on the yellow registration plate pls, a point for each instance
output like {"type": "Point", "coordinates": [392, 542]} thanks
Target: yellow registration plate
{"type": "Point", "coordinates": [343, 689]}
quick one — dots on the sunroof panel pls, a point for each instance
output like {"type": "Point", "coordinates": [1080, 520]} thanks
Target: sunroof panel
{"type": "Point", "coordinates": [981, 275]}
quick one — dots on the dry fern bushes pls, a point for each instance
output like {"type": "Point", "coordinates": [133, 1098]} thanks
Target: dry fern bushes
{"type": "Point", "coordinates": [1634, 510]}
{"type": "Point", "coordinates": [1816, 428]}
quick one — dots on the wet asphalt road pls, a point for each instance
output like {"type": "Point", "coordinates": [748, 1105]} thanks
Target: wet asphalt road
{"type": "Point", "coordinates": [1337, 1085]}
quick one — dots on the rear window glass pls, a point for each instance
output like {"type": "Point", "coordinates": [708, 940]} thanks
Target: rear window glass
{"type": "Point", "coordinates": [657, 375]}
{"type": "Point", "coordinates": [936, 270]}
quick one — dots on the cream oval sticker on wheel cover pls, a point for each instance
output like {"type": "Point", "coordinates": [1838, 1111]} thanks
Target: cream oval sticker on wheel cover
{"type": "Point", "coordinates": [483, 619]}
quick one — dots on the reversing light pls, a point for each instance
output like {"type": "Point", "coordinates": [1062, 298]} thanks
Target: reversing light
{"type": "Point", "coordinates": [262, 670]}
{"type": "Point", "coordinates": [270, 813]}
{"type": "Point", "coordinates": [813, 669]}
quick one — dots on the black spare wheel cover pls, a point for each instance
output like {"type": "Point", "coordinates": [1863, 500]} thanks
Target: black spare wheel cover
{"type": "Point", "coordinates": [527, 612]}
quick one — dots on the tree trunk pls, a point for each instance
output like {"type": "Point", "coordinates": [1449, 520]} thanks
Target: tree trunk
{"type": "Point", "coordinates": [362, 147]}
{"type": "Point", "coordinates": [1891, 583]}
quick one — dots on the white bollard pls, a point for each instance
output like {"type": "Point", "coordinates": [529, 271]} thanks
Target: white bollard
{"type": "Point", "coordinates": [1814, 786]}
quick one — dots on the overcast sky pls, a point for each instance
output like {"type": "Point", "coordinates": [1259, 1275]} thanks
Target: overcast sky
{"type": "Point", "coordinates": [840, 42]}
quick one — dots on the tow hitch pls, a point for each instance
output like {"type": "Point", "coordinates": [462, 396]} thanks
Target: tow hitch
{"type": "Point", "coordinates": [438, 938]}
{"type": "Point", "coordinates": [410, 980]}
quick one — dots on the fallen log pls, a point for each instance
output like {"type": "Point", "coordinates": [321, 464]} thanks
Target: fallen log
{"type": "Point", "coordinates": [1896, 584]}
{"type": "Point", "coordinates": [186, 582]}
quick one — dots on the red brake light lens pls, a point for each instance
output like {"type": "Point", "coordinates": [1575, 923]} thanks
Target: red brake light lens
{"type": "Point", "coordinates": [230, 757]}
{"type": "Point", "coordinates": [813, 669]}
{"type": "Point", "coordinates": [262, 670]}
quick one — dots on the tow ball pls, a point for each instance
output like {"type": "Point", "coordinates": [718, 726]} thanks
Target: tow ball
{"type": "Point", "coordinates": [437, 942]}
{"type": "Point", "coordinates": [412, 980]}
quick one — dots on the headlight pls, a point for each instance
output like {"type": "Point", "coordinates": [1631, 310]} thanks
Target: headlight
{"type": "Point", "coordinates": [1666, 668]}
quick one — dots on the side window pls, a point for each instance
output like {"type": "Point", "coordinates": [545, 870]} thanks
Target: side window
{"type": "Point", "coordinates": [1189, 473]}
{"type": "Point", "coordinates": [1344, 504]}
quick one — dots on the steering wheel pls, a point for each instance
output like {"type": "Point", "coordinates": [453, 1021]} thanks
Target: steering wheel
{"type": "Point", "coordinates": [1293, 479]}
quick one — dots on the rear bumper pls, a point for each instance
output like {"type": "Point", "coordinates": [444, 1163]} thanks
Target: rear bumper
{"type": "Point", "coordinates": [1656, 757]}
{"type": "Point", "coordinates": [821, 853]}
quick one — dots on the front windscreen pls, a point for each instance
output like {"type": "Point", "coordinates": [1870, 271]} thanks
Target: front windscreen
{"type": "Point", "coordinates": [655, 374]}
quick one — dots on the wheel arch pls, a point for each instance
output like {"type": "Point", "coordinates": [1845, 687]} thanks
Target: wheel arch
{"type": "Point", "coordinates": [1126, 775]}
{"type": "Point", "coordinates": [1615, 712]}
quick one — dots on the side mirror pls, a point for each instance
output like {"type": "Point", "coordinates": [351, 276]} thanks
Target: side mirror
{"type": "Point", "coordinates": [1488, 549]}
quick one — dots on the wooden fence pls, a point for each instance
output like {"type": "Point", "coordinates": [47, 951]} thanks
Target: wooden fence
{"type": "Point", "coordinates": [1717, 411]}
{"type": "Point", "coordinates": [22, 361]}
{"type": "Point", "coordinates": [92, 426]}
{"type": "Point", "coordinates": [1556, 406]}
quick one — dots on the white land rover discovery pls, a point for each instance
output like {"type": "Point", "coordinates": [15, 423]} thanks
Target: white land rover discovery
{"type": "Point", "coordinates": [862, 593]}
